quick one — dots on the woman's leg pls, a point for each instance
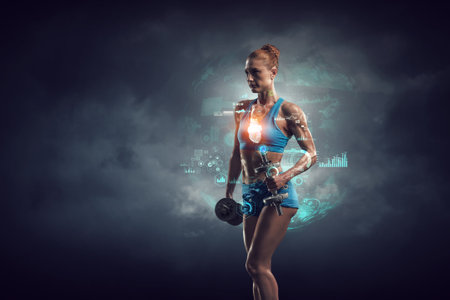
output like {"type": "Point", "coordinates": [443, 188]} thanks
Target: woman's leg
{"type": "Point", "coordinates": [249, 229]}
{"type": "Point", "coordinates": [269, 231]}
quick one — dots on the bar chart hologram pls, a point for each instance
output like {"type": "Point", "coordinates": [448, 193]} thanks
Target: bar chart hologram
{"type": "Point", "coordinates": [335, 162]}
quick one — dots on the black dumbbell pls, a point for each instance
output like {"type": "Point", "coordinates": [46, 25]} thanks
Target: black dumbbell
{"type": "Point", "coordinates": [229, 211]}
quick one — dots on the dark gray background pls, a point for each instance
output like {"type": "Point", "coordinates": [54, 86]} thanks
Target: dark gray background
{"type": "Point", "coordinates": [94, 203]}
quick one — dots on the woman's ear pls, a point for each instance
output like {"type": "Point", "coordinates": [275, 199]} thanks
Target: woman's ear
{"type": "Point", "coordinates": [274, 72]}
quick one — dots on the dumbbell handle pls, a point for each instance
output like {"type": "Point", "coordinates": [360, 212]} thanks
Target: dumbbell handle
{"type": "Point", "coordinates": [276, 201]}
{"type": "Point", "coordinates": [279, 210]}
{"type": "Point", "coordinates": [277, 204]}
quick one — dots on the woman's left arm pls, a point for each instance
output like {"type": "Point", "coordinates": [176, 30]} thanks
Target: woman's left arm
{"type": "Point", "coordinates": [297, 125]}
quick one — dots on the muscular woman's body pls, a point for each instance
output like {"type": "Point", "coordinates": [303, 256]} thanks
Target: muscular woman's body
{"type": "Point", "coordinates": [264, 231]}
{"type": "Point", "coordinates": [251, 159]}
{"type": "Point", "coordinates": [291, 121]}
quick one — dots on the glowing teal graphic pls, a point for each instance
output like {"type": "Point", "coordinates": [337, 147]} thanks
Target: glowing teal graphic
{"type": "Point", "coordinates": [263, 149]}
{"type": "Point", "coordinates": [312, 209]}
{"type": "Point", "coordinates": [294, 150]}
{"type": "Point", "coordinates": [221, 179]}
{"type": "Point", "coordinates": [336, 162]}
{"type": "Point", "coordinates": [297, 180]}
{"type": "Point", "coordinates": [309, 208]}
{"type": "Point", "coordinates": [189, 170]}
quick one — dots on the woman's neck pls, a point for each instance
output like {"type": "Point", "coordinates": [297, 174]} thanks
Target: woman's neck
{"type": "Point", "coordinates": [267, 98]}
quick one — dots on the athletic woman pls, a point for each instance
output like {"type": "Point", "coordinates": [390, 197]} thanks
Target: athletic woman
{"type": "Point", "coordinates": [271, 121]}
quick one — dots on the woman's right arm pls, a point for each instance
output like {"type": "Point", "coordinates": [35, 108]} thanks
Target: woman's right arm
{"type": "Point", "coordinates": [234, 171]}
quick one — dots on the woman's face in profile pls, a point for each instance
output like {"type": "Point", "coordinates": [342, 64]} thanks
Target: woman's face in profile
{"type": "Point", "coordinates": [258, 77]}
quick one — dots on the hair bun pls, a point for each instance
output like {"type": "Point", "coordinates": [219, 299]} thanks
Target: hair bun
{"type": "Point", "coordinates": [271, 49]}
{"type": "Point", "coordinates": [269, 53]}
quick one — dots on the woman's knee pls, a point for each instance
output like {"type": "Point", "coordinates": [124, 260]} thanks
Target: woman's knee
{"type": "Point", "coordinates": [255, 268]}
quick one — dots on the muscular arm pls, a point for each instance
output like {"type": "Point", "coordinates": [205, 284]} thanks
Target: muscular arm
{"type": "Point", "coordinates": [235, 168]}
{"type": "Point", "coordinates": [297, 124]}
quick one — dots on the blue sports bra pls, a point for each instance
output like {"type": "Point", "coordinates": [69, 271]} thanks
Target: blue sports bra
{"type": "Point", "coordinates": [271, 135]}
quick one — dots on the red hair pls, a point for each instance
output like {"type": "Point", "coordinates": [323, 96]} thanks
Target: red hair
{"type": "Point", "coordinates": [269, 53]}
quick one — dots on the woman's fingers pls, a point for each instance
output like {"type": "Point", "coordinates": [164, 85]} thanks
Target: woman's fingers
{"type": "Point", "coordinates": [274, 183]}
{"type": "Point", "coordinates": [271, 183]}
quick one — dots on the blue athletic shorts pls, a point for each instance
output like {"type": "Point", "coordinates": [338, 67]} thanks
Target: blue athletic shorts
{"type": "Point", "coordinates": [253, 195]}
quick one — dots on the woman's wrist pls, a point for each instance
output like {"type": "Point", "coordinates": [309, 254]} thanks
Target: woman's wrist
{"type": "Point", "coordinates": [286, 176]}
{"type": "Point", "coordinates": [230, 189]}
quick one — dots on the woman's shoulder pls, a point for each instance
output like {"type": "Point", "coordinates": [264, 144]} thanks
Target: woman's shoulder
{"type": "Point", "coordinates": [242, 105]}
{"type": "Point", "coordinates": [289, 108]}
{"type": "Point", "coordinates": [240, 109]}
{"type": "Point", "coordinates": [293, 114]}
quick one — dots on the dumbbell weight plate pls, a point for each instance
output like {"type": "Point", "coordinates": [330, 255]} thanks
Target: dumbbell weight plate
{"type": "Point", "coordinates": [226, 209]}
{"type": "Point", "coordinates": [237, 218]}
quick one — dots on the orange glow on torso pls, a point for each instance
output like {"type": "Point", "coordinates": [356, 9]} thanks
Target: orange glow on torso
{"type": "Point", "coordinates": [254, 131]}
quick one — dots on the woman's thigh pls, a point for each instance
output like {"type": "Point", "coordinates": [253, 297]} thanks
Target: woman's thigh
{"type": "Point", "coordinates": [249, 229]}
{"type": "Point", "coordinates": [269, 231]}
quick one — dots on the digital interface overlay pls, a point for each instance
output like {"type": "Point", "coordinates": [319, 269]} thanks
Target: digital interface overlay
{"type": "Point", "coordinates": [317, 86]}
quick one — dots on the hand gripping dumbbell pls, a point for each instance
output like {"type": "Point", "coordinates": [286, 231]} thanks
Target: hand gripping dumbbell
{"type": "Point", "coordinates": [269, 168]}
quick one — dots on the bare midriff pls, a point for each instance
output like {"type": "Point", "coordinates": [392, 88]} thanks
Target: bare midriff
{"type": "Point", "coordinates": [251, 159]}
